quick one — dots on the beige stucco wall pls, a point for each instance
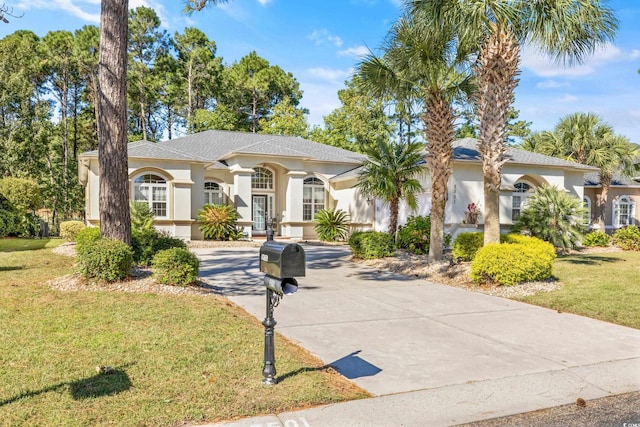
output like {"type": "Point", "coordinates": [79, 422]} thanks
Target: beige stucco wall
{"type": "Point", "coordinates": [614, 192]}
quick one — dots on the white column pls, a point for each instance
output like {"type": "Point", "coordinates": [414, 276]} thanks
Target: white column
{"type": "Point", "coordinates": [293, 226]}
{"type": "Point", "coordinates": [242, 197]}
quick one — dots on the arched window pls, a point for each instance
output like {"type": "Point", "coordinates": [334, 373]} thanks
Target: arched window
{"type": "Point", "coordinates": [151, 189]}
{"type": "Point", "coordinates": [313, 197]}
{"type": "Point", "coordinates": [262, 178]}
{"type": "Point", "coordinates": [519, 198]}
{"type": "Point", "coordinates": [623, 211]}
{"type": "Point", "coordinates": [586, 203]}
{"type": "Point", "coordinates": [213, 194]}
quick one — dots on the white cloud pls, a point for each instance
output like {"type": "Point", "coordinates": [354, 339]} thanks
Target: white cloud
{"type": "Point", "coordinates": [567, 98]}
{"type": "Point", "coordinates": [551, 84]}
{"type": "Point", "coordinates": [330, 74]}
{"type": "Point", "coordinates": [356, 51]}
{"type": "Point", "coordinates": [634, 54]}
{"type": "Point", "coordinates": [545, 67]}
{"type": "Point", "coordinates": [264, 2]}
{"type": "Point", "coordinates": [321, 36]}
{"type": "Point", "coordinates": [79, 10]}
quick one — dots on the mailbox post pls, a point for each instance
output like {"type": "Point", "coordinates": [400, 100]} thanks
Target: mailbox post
{"type": "Point", "coordinates": [281, 263]}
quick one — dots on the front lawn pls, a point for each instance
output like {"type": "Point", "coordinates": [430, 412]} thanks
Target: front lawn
{"type": "Point", "coordinates": [603, 286]}
{"type": "Point", "coordinates": [172, 359]}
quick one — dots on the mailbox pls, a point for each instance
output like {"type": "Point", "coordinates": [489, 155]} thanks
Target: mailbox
{"type": "Point", "coordinates": [282, 260]}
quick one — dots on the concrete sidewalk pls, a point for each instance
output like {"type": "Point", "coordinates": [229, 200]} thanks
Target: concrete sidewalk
{"type": "Point", "coordinates": [433, 354]}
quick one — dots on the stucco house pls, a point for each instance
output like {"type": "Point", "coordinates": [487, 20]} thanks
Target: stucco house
{"type": "Point", "coordinates": [291, 178]}
{"type": "Point", "coordinates": [622, 199]}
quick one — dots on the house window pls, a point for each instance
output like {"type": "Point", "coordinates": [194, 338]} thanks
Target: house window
{"type": "Point", "coordinates": [623, 211]}
{"type": "Point", "coordinates": [151, 189]}
{"type": "Point", "coordinates": [586, 203]}
{"type": "Point", "coordinates": [262, 178]}
{"type": "Point", "coordinates": [519, 199]}
{"type": "Point", "coordinates": [313, 195]}
{"type": "Point", "coordinates": [213, 194]}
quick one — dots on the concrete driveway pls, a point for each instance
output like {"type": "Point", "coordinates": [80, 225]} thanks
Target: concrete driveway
{"type": "Point", "coordinates": [437, 355]}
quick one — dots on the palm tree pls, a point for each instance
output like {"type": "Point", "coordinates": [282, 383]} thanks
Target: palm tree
{"type": "Point", "coordinates": [423, 58]}
{"type": "Point", "coordinates": [390, 174]}
{"type": "Point", "coordinates": [584, 138]}
{"type": "Point", "coordinates": [566, 30]}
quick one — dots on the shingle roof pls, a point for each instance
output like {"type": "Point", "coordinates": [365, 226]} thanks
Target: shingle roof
{"type": "Point", "coordinates": [215, 146]}
{"type": "Point", "coordinates": [467, 149]}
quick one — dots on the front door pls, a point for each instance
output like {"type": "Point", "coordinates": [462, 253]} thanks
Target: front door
{"type": "Point", "coordinates": [259, 211]}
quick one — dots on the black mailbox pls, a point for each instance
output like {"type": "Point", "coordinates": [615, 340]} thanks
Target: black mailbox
{"type": "Point", "coordinates": [282, 260]}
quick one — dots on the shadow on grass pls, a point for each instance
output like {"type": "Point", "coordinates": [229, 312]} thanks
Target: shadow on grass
{"type": "Point", "coordinates": [107, 383]}
{"type": "Point", "coordinates": [11, 268]}
{"type": "Point", "coordinates": [589, 259]}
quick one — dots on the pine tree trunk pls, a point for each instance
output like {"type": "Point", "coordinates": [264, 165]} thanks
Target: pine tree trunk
{"type": "Point", "coordinates": [497, 70]}
{"type": "Point", "coordinates": [112, 125]}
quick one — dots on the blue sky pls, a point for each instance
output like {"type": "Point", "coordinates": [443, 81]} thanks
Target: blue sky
{"type": "Point", "coordinates": [320, 42]}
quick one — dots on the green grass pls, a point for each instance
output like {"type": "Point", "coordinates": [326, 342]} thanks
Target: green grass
{"type": "Point", "coordinates": [603, 286]}
{"type": "Point", "coordinates": [176, 359]}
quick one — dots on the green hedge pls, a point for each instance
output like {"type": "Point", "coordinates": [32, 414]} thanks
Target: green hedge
{"type": "Point", "coordinates": [519, 259]}
{"type": "Point", "coordinates": [372, 244]}
{"type": "Point", "coordinates": [148, 242]}
{"type": "Point", "coordinates": [596, 238]}
{"type": "Point", "coordinates": [176, 266]}
{"type": "Point", "coordinates": [86, 236]}
{"type": "Point", "coordinates": [627, 238]}
{"type": "Point", "coordinates": [467, 245]}
{"type": "Point", "coordinates": [415, 235]}
{"type": "Point", "coordinates": [106, 259]}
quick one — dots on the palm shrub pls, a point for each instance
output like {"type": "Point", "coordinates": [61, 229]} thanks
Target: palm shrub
{"type": "Point", "coordinates": [331, 225]}
{"type": "Point", "coordinates": [627, 238]}
{"type": "Point", "coordinates": [175, 266]}
{"type": "Point", "coordinates": [372, 244]}
{"type": "Point", "coordinates": [554, 216]}
{"type": "Point", "coordinates": [141, 216]}
{"type": "Point", "coordinates": [415, 235]}
{"type": "Point", "coordinates": [219, 222]}
{"type": "Point", "coordinates": [467, 245]}
{"type": "Point", "coordinates": [106, 259]}
{"type": "Point", "coordinates": [596, 238]}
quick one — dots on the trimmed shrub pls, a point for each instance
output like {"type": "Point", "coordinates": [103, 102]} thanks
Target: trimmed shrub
{"type": "Point", "coordinates": [627, 238]}
{"type": "Point", "coordinates": [467, 245]}
{"type": "Point", "coordinates": [415, 235]}
{"type": "Point", "coordinates": [219, 222]}
{"type": "Point", "coordinates": [105, 259]}
{"type": "Point", "coordinates": [147, 243]}
{"type": "Point", "coordinates": [519, 259]}
{"type": "Point", "coordinates": [372, 244]}
{"type": "Point", "coordinates": [176, 266]}
{"type": "Point", "coordinates": [332, 225]}
{"type": "Point", "coordinates": [596, 238]}
{"type": "Point", "coordinates": [69, 229]}
{"type": "Point", "coordinates": [87, 236]}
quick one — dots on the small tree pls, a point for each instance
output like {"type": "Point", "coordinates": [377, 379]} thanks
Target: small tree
{"type": "Point", "coordinates": [219, 222]}
{"type": "Point", "coordinates": [554, 216]}
{"type": "Point", "coordinates": [22, 194]}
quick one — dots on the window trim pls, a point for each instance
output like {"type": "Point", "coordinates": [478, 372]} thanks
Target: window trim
{"type": "Point", "coordinates": [627, 201]}
{"type": "Point", "coordinates": [309, 209]}
{"type": "Point", "coordinates": [257, 178]}
{"type": "Point", "coordinates": [586, 203]}
{"type": "Point", "coordinates": [208, 193]}
{"type": "Point", "coordinates": [139, 180]}
{"type": "Point", "coordinates": [519, 193]}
